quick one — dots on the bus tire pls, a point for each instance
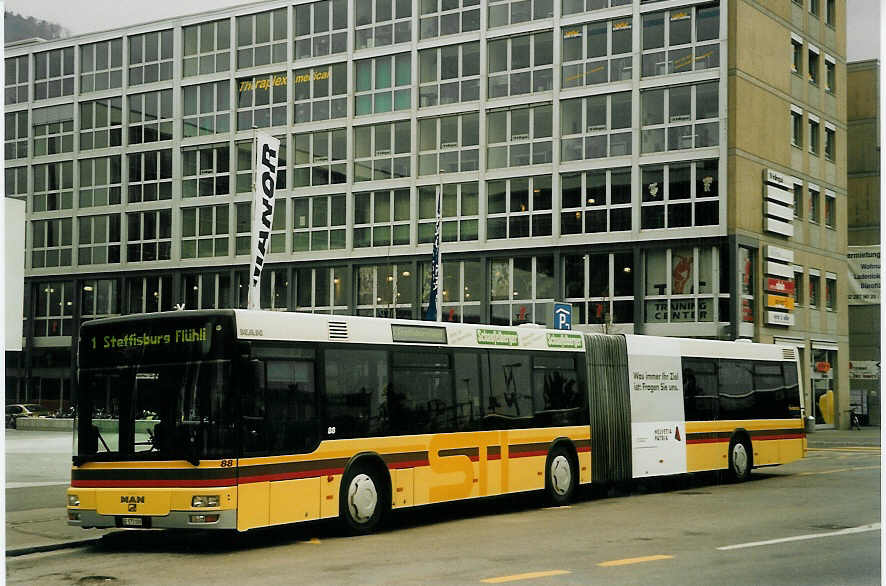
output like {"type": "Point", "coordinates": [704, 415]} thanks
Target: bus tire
{"type": "Point", "coordinates": [741, 459]}
{"type": "Point", "coordinates": [561, 476]}
{"type": "Point", "coordinates": [363, 498]}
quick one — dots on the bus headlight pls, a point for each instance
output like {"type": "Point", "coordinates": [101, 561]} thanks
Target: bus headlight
{"type": "Point", "coordinates": [204, 501]}
{"type": "Point", "coordinates": [73, 500]}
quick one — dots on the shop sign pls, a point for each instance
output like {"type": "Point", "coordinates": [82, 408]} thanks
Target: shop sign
{"type": "Point", "coordinates": [779, 253]}
{"type": "Point", "coordinates": [780, 302]}
{"type": "Point", "coordinates": [864, 370]}
{"type": "Point", "coordinates": [777, 318]}
{"type": "Point", "coordinates": [864, 275]}
{"type": "Point", "coordinates": [780, 285]}
{"type": "Point", "coordinates": [822, 367]}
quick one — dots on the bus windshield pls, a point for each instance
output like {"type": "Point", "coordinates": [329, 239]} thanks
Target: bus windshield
{"type": "Point", "coordinates": [162, 392]}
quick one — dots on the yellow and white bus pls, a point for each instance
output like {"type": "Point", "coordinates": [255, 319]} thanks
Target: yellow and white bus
{"type": "Point", "coordinates": [235, 419]}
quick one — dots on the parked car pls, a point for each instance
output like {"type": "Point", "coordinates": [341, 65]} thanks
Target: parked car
{"type": "Point", "coordinates": [13, 412]}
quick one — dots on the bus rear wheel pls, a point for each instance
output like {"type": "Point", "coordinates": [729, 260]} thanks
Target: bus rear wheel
{"type": "Point", "coordinates": [362, 499]}
{"type": "Point", "coordinates": [560, 476]}
{"type": "Point", "coordinates": [740, 460]}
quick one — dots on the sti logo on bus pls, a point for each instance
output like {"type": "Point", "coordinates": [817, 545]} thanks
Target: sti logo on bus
{"type": "Point", "coordinates": [264, 215]}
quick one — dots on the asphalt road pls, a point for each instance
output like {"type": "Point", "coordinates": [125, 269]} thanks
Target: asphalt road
{"type": "Point", "coordinates": [823, 514]}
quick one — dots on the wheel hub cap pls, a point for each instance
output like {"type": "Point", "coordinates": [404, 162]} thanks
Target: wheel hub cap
{"type": "Point", "coordinates": [739, 459]}
{"type": "Point", "coordinates": [362, 498]}
{"type": "Point", "coordinates": [561, 475]}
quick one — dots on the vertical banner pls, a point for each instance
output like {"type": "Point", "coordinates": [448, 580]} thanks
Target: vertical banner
{"type": "Point", "coordinates": [433, 313]}
{"type": "Point", "coordinates": [265, 149]}
{"type": "Point", "coordinates": [864, 275]}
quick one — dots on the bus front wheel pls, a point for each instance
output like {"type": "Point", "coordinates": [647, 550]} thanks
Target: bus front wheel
{"type": "Point", "coordinates": [362, 499]}
{"type": "Point", "coordinates": [740, 459]}
{"type": "Point", "coordinates": [560, 477]}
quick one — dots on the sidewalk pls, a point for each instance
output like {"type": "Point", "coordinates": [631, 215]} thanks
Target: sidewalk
{"type": "Point", "coordinates": [46, 529]}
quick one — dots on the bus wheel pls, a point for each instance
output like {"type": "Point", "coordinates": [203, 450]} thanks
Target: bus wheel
{"type": "Point", "coordinates": [740, 460]}
{"type": "Point", "coordinates": [362, 499]}
{"type": "Point", "coordinates": [560, 479]}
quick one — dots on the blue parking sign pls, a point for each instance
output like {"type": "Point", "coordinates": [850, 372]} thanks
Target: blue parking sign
{"type": "Point", "coordinates": [562, 316]}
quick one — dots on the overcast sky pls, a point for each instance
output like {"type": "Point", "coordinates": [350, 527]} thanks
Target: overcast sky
{"type": "Point", "coordinates": [865, 20]}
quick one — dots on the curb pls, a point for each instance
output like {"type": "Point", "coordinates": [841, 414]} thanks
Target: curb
{"type": "Point", "coordinates": [10, 553]}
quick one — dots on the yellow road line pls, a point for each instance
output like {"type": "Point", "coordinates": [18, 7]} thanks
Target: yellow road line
{"type": "Point", "coordinates": [627, 561]}
{"type": "Point", "coordinates": [526, 576]}
{"type": "Point", "coordinates": [834, 471]}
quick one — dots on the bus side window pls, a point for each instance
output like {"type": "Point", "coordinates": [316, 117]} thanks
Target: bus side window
{"type": "Point", "coordinates": [736, 387]}
{"type": "Point", "coordinates": [468, 383]}
{"type": "Point", "coordinates": [792, 389]}
{"type": "Point", "coordinates": [700, 398]}
{"type": "Point", "coordinates": [291, 406]}
{"type": "Point", "coordinates": [510, 394]}
{"type": "Point", "coordinates": [769, 391]}
{"type": "Point", "coordinates": [356, 386]}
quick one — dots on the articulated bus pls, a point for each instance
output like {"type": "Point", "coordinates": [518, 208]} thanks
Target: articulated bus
{"type": "Point", "coordinates": [236, 419]}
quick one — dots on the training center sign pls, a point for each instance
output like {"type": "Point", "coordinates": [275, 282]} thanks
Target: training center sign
{"type": "Point", "coordinates": [265, 150]}
{"type": "Point", "coordinates": [864, 275]}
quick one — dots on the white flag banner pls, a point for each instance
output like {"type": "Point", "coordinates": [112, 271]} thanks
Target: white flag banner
{"type": "Point", "coordinates": [265, 150]}
{"type": "Point", "coordinates": [864, 275]}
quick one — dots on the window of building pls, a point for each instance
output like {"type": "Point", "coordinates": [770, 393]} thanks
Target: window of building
{"type": "Point", "coordinates": [797, 55]}
{"type": "Point", "coordinates": [101, 65]}
{"type": "Point", "coordinates": [51, 243]}
{"type": "Point", "coordinates": [207, 48]}
{"type": "Point", "coordinates": [16, 80]}
{"type": "Point", "coordinates": [600, 287]}
{"type": "Point", "coordinates": [101, 123]}
{"type": "Point", "coordinates": [798, 286]}
{"type": "Point", "coordinates": [813, 8]}
{"type": "Point", "coordinates": [585, 48]}
{"type": "Point", "coordinates": [207, 109]}
{"type": "Point", "coordinates": [261, 38]}
{"type": "Point", "coordinates": [813, 66]}
{"type": "Point", "coordinates": [243, 228]}
{"type": "Point", "coordinates": [149, 294]}
{"type": "Point", "coordinates": [595, 201]}
{"type": "Point", "coordinates": [830, 141]}
{"type": "Point", "coordinates": [505, 12]}
{"type": "Point", "coordinates": [98, 239]}
{"type": "Point", "coordinates": [830, 292]}
{"type": "Point", "coordinates": [381, 218]}
{"type": "Point", "coordinates": [321, 93]}
{"type": "Point", "coordinates": [448, 17]}
{"type": "Point", "coordinates": [830, 210]}
{"type": "Point", "coordinates": [382, 23]}
{"type": "Point", "coordinates": [461, 282]}
{"type": "Point", "coordinates": [449, 144]}
{"type": "Point", "coordinates": [385, 290]}
{"type": "Point", "coordinates": [798, 200]}
{"type": "Point", "coordinates": [319, 222]}
{"type": "Point", "coordinates": [520, 65]}
{"type": "Point", "coordinates": [206, 170]}
{"type": "Point", "coordinates": [53, 186]}
{"type": "Point", "coordinates": [54, 309]}
{"type": "Point", "coordinates": [149, 236]}
{"type": "Point", "coordinates": [100, 181]}
{"type": "Point", "coordinates": [830, 67]}
{"type": "Point", "coordinates": [205, 231]}
{"type": "Point", "coordinates": [17, 182]}
{"type": "Point", "coordinates": [320, 28]}
{"type": "Point", "coordinates": [381, 151]}
{"type": "Point", "coordinates": [322, 290]}
{"type": "Point", "coordinates": [209, 290]}
{"type": "Point", "coordinates": [99, 297]}
{"type": "Point", "coordinates": [813, 135]}
{"type": "Point", "coordinates": [519, 207]}
{"type": "Point", "coordinates": [814, 288]}
{"type": "Point", "coordinates": [16, 124]}
{"type": "Point", "coordinates": [261, 102]}
{"type": "Point", "coordinates": [668, 114]}
{"type": "Point", "coordinates": [383, 84]}
{"type": "Point", "coordinates": [521, 290]}
{"type": "Point", "coordinates": [796, 127]}
{"type": "Point", "coordinates": [449, 74]}
{"type": "Point", "coordinates": [814, 204]}
{"type": "Point", "coordinates": [320, 158]}
{"type": "Point", "coordinates": [682, 285]}
{"type": "Point", "coordinates": [679, 195]}
{"type": "Point", "coordinates": [672, 45]}
{"type": "Point", "coordinates": [53, 130]}
{"type": "Point", "coordinates": [460, 212]}
{"type": "Point", "coordinates": [246, 166]}
{"type": "Point", "coordinates": [53, 73]}
{"type": "Point", "coordinates": [150, 57]}
{"type": "Point", "coordinates": [519, 136]}
{"type": "Point", "coordinates": [830, 14]}
{"type": "Point", "coordinates": [150, 117]}
{"type": "Point", "coordinates": [595, 127]}
{"type": "Point", "coordinates": [576, 6]}
{"type": "Point", "coordinates": [150, 176]}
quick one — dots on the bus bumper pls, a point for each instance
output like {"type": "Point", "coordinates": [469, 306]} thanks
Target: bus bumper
{"type": "Point", "coordinates": [87, 519]}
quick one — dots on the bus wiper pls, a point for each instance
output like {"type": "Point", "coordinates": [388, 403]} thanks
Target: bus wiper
{"type": "Point", "coordinates": [98, 434]}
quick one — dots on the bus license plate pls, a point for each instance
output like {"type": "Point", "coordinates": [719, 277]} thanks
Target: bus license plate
{"type": "Point", "coordinates": [132, 522]}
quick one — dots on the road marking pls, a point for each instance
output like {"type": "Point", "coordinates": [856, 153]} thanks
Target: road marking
{"type": "Point", "coordinates": [873, 449]}
{"type": "Point", "coordinates": [34, 484]}
{"type": "Point", "coordinates": [861, 529]}
{"type": "Point", "coordinates": [313, 540]}
{"type": "Point", "coordinates": [560, 507]}
{"type": "Point", "coordinates": [835, 470]}
{"type": "Point", "coordinates": [526, 576]}
{"type": "Point", "coordinates": [627, 561]}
